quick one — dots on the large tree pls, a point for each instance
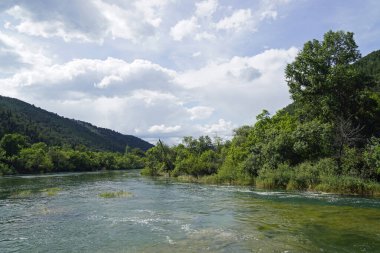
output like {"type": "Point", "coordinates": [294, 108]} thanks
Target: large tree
{"type": "Point", "coordinates": [324, 83]}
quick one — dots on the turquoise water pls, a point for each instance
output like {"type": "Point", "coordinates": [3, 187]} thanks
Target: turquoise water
{"type": "Point", "coordinates": [64, 213]}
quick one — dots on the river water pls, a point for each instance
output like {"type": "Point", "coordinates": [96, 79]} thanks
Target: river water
{"type": "Point", "coordinates": [163, 215]}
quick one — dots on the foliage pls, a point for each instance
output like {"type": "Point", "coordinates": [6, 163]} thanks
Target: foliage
{"type": "Point", "coordinates": [321, 137]}
{"type": "Point", "coordinates": [323, 80]}
{"type": "Point", "coordinates": [42, 126]}
{"type": "Point", "coordinates": [195, 157]}
{"type": "Point", "coordinates": [370, 65]}
{"type": "Point", "coordinates": [11, 144]}
{"type": "Point", "coordinates": [372, 158]}
{"type": "Point", "coordinates": [40, 158]}
{"type": "Point", "coordinates": [348, 185]}
{"type": "Point", "coordinates": [5, 169]}
{"type": "Point", "coordinates": [34, 159]}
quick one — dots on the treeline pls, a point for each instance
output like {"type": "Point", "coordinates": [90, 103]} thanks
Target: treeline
{"type": "Point", "coordinates": [327, 139]}
{"type": "Point", "coordinates": [18, 155]}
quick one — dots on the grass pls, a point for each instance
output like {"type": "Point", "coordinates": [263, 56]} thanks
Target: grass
{"type": "Point", "coordinates": [118, 194]}
{"type": "Point", "coordinates": [317, 177]}
{"type": "Point", "coordinates": [286, 180]}
{"type": "Point", "coordinates": [349, 185]}
{"type": "Point", "coordinates": [214, 179]}
{"type": "Point", "coordinates": [21, 194]}
{"type": "Point", "coordinates": [51, 191]}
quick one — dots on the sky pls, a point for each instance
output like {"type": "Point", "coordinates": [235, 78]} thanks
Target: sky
{"type": "Point", "coordinates": [166, 68]}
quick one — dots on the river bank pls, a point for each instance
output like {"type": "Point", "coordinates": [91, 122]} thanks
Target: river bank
{"type": "Point", "coordinates": [334, 185]}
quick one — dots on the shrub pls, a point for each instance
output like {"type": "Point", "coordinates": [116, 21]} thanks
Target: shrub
{"type": "Point", "coordinates": [348, 185]}
{"type": "Point", "coordinates": [275, 178]}
{"type": "Point", "coordinates": [352, 163]}
{"type": "Point", "coordinates": [5, 169]}
{"type": "Point", "coordinates": [326, 167]}
{"type": "Point", "coordinates": [306, 176]}
{"type": "Point", "coordinates": [372, 158]}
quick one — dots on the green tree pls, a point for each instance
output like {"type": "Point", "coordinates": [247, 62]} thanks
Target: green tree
{"type": "Point", "coordinates": [60, 159]}
{"type": "Point", "coordinates": [5, 169]}
{"type": "Point", "coordinates": [372, 158]}
{"type": "Point", "coordinates": [35, 159]}
{"type": "Point", "coordinates": [153, 162]}
{"type": "Point", "coordinates": [81, 161]}
{"type": "Point", "coordinates": [324, 83]}
{"type": "Point", "coordinates": [13, 143]}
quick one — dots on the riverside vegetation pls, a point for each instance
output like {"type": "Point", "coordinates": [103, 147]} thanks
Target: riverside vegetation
{"type": "Point", "coordinates": [17, 155]}
{"type": "Point", "coordinates": [328, 139]}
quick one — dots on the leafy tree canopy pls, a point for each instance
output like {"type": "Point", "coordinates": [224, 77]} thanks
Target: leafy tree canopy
{"type": "Point", "coordinates": [324, 83]}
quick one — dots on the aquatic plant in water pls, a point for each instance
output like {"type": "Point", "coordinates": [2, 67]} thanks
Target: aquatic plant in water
{"type": "Point", "coordinates": [118, 194]}
{"type": "Point", "coordinates": [51, 191]}
{"type": "Point", "coordinates": [21, 194]}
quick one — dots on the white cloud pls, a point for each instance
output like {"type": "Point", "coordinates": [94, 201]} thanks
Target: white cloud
{"type": "Point", "coordinates": [107, 80]}
{"type": "Point", "coordinates": [204, 36]}
{"type": "Point", "coordinates": [138, 80]}
{"type": "Point", "coordinates": [184, 28]}
{"type": "Point", "coordinates": [221, 128]}
{"type": "Point", "coordinates": [17, 55]}
{"type": "Point", "coordinates": [242, 86]}
{"type": "Point", "coordinates": [137, 21]}
{"type": "Point", "coordinates": [153, 98]}
{"type": "Point", "coordinates": [45, 28]}
{"type": "Point", "coordinates": [151, 10]}
{"type": "Point", "coordinates": [133, 20]}
{"type": "Point", "coordinates": [206, 8]}
{"type": "Point", "coordinates": [164, 129]}
{"type": "Point", "coordinates": [200, 112]}
{"type": "Point", "coordinates": [269, 14]}
{"type": "Point", "coordinates": [157, 101]}
{"type": "Point", "coordinates": [196, 54]}
{"type": "Point", "coordinates": [119, 21]}
{"type": "Point", "coordinates": [49, 29]}
{"type": "Point", "coordinates": [87, 76]}
{"type": "Point", "coordinates": [238, 20]}
{"type": "Point", "coordinates": [88, 21]}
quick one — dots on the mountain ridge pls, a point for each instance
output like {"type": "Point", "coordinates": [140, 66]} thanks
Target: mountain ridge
{"type": "Point", "coordinates": [41, 125]}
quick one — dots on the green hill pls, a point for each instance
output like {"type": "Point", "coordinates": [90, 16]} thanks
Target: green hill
{"type": "Point", "coordinates": [42, 126]}
{"type": "Point", "coordinates": [370, 65]}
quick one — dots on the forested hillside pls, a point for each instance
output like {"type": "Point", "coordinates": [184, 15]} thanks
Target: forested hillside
{"type": "Point", "coordinates": [370, 65]}
{"type": "Point", "coordinates": [42, 126]}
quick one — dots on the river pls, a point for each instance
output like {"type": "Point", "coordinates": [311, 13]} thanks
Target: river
{"type": "Point", "coordinates": [66, 213]}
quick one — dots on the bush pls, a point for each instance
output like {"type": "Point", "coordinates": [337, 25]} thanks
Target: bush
{"type": "Point", "coordinates": [306, 176]}
{"type": "Point", "coordinates": [275, 178]}
{"type": "Point", "coordinates": [353, 163]}
{"type": "Point", "coordinates": [348, 185]}
{"type": "Point", "coordinates": [228, 172]}
{"type": "Point", "coordinates": [326, 167]}
{"type": "Point", "coordinates": [372, 158]}
{"type": "Point", "coordinates": [5, 169]}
